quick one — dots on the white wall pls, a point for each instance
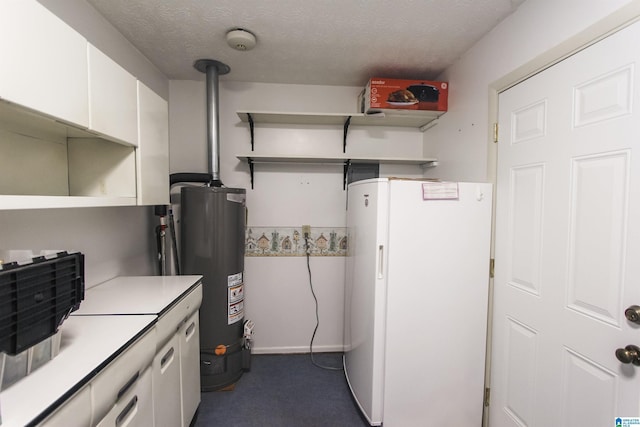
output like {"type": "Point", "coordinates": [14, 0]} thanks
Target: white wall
{"type": "Point", "coordinates": [278, 298]}
{"type": "Point", "coordinates": [116, 241]}
{"type": "Point", "coordinates": [536, 31]}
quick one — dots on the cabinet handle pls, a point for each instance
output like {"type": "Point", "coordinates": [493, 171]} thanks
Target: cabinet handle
{"type": "Point", "coordinates": [128, 412]}
{"type": "Point", "coordinates": [380, 262]}
{"type": "Point", "coordinates": [168, 357]}
{"type": "Point", "coordinates": [190, 330]}
{"type": "Point", "coordinates": [128, 385]}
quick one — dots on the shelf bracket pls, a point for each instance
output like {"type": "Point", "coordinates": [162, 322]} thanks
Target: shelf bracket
{"type": "Point", "coordinates": [429, 125]}
{"type": "Point", "coordinates": [344, 136]}
{"type": "Point", "coordinates": [347, 163]}
{"type": "Point", "coordinates": [250, 162]}
{"type": "Point", "coordinates": [250, 119]}
{"type": "Point", "coordinates": [431, 164]}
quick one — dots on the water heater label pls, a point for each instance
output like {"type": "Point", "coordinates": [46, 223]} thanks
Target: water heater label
{"type": "Point", "coordinates": [235, 298]}
{"type": "Point", "coordinates": [234, 279]}
{"type": "Point", "coordinates": [237, 198]}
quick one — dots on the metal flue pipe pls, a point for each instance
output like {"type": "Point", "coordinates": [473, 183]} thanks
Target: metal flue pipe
{"type": "Point", "coordinates": [213, 69]}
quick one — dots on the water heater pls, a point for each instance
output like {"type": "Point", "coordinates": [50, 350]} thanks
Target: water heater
{"type": "Point", "coordinates": [212, 234]}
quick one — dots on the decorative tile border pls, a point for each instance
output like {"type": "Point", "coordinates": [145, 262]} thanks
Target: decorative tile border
{"type": "Point", "coordinates": [289, 241]}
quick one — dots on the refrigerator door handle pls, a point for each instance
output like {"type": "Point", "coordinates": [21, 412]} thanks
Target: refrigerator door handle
{"type": "Point", "coordinates": [380, 261]}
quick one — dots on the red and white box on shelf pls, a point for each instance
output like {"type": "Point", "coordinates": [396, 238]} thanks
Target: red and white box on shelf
{"type": "Point", "coordinates": [395, 94]}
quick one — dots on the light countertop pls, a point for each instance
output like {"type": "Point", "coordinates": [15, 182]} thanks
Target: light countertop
{"type": "Point", "coordinates": [88, 343]}
{"type": "Point", "coordinates": [136, 295]}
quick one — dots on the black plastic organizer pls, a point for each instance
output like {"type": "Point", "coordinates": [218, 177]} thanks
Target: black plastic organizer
{"type": "Point", "coordinates": [35, 298]}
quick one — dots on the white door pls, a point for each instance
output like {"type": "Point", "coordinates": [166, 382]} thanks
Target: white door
{"type": "Point", "coordinates": [567, 241]}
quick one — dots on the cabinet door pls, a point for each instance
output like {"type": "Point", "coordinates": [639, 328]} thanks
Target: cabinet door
{"type": "Point", "coordinates": [166, 385]}
{"type": "Point", "coordinates": [44, 62]}
{"type": "Point", "coordinates": [153, 148]}
{"type": "Point", "coordinates": [189, 334]}
{"type": "Point", "coordinates": [113, 99]}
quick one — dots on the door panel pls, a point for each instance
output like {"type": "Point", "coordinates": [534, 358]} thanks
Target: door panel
{"type": "Point", "coordinates": [522, 343]}
{"type": "Point", "coordinates": [596, 242]}
{"type": "Point", "coordinates": [567, 241]}
{"type": "Point", "coordinates": [589, 391]}
{"type": "Point", "coordinates": [526, 227]}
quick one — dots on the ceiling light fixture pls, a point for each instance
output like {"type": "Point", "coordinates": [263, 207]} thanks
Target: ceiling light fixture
{"type": "Point", "coordinates": [240, 39]}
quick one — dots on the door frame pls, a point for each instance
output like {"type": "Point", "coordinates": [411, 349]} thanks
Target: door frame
{"type": "Point", "coordinates": [623, 17]}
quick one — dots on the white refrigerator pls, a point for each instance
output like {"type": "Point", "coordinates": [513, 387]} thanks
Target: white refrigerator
{"type": "Point", "coordinates": [417, 283]}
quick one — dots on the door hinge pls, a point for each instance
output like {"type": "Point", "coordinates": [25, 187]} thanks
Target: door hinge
{"type": "Point", "coordinates": [495, 132]}
{"type": "Point", "coordinates": [487, 396]}
{"type": "Point", "coordinates": [492, 267]}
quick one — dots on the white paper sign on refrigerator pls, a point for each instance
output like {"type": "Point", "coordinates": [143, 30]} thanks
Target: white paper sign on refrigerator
{"type": "Point", "coordinates": [440, 191]}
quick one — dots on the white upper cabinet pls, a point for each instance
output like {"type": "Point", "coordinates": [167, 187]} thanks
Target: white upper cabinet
{"type": "Point", "coordinates": [44, 62]}
{"type": "Point", "coordinates": [113, 99]}
{"type": "Point", "coordinates": [153, 149]}
{"type": "Point", "coordinates": [76, 128]}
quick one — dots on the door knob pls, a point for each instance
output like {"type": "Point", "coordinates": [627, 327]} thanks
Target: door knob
{"type": "Point", "coordinates": [633, 314]}
{"type": "Point", "coordinates": [629, 354]}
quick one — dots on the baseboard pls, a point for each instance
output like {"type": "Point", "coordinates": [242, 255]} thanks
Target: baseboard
{"type": "Point", "coordinates": [298, 349]}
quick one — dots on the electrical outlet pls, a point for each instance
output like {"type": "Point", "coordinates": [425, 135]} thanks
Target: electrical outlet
{"type": "Point", "coordinates": [306, 230]}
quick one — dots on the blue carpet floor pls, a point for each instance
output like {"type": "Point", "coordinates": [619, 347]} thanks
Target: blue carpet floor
{"type": "Point", "coordinates": [284, 391]}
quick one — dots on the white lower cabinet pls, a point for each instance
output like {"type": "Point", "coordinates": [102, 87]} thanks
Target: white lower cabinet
{"type": "Point", "coordinates": [134, 407]}
{"type": "Point", "coordinates": [176, 365]}
{"type": "Point", "coordinates": [138, 363]}
{"type": "Point", "coordinates": [189, 340]}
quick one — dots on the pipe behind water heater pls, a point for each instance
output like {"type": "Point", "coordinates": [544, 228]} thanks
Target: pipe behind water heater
{"type": "Point", "coordinates": [212, 229]}
{"type": "Point", "coordinates": [213, 69]}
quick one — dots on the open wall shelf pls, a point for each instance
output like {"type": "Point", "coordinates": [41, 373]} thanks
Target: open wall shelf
{"type": "Point", "coordinates": [346, 161]}
{"type": "Point", "coordinates": [421, 120]}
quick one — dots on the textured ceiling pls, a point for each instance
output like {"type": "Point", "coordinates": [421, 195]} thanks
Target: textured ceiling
{"type": "Point", "coordinates": [327, 42]}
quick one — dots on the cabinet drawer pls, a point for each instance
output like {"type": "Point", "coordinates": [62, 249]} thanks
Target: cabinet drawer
{"type": "Point", "coordinates": [170, 321]}
{"type": "Point", "coordinates": [134, 407]}
{"type": "Point", "coordinates": [122, 375]}
{"type": "Point", "coordinates": [75, 411]}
